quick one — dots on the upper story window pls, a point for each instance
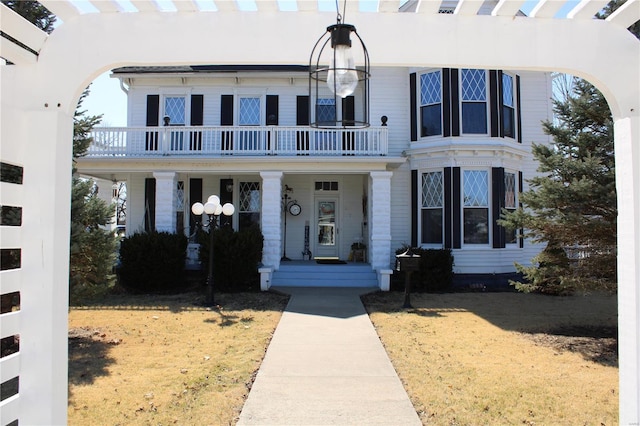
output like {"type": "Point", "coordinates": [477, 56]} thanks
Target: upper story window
{"type": "Point", "coordinates": [175, 109]}
{"type": "Point", "coordinates": [249, 112]}
{"type": "Point", "coordinates": [508, 106]}
{"type": "Point", "coordinates": [326, 111]}
{"type": "Point", "coordinates": [473, 88]}
{"type": "Point", "coordinates": [431, 104]}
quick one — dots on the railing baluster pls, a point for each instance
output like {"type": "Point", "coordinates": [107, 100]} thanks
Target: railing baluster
{"type": "Point", "coordinates": [225, 140]}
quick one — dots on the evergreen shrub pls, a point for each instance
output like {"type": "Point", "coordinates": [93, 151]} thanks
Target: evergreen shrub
{"type": "Point", "coordinates": [236, 257]}
{"type": "Point", "coordinates": [436, 271]}
{"type": "Point", "coordinates": [153, 262]}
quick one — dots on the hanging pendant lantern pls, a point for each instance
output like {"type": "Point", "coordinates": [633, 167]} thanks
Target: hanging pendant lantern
{"type": "Point", "coordinates": [339, 72]}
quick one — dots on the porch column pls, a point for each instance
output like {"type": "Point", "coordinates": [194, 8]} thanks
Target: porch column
{"type": "Point", "coordinates": [380, 219]}
{"type": "Point", "coordinates": [627, 153]}
{"type": "Point", "coordinates": [166, 195]}
{"type": "Point", "coordinates": [270, 217]}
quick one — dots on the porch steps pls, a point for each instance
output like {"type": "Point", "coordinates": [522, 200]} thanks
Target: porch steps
{"type": "Point", "coordinates": [311, 274]}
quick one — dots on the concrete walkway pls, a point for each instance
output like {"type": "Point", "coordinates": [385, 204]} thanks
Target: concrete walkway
{"type": "Point", "coordinates": [326, 366]}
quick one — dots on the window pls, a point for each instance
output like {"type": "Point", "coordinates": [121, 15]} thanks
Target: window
{"type": "Point", "coordinates": [510, 203]}
{"type": "Point", "coordinates": [474, 101]}
{"type": "Point", "coordinates": [476, 206]}
{"type": "Point", "coordinates": [326, 186]}
{"type": "Point", "coordinates": [326, 111]}
{"type": "Point", "coordinates": [432, 207]}
{"type": "Point", "coordinates": [174, 111]}
{"type": "Point", "coordinates": [180, 208]}
{"type": "Point", "coordinates": [249, 113]}
{"type": "Point", "coordinates": [508, 107]}
{"type": "Point", "coordinates": [249, 206]}
{"type": "Point", "coordinates": [431, 104]}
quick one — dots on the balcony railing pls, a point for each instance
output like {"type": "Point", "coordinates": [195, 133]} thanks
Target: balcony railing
{"type": "Point", "coordinates": [236, 140]}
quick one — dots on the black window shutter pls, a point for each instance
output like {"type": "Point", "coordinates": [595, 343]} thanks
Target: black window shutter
{"type": "Point", "coordinates": [226, 110]}
{"type": "Point", "coordinates": [302, 110]}
{"type": "Point", "coordinates": [497, 204]}
{"type": "Point", "coordinates": [195, 196]}
{"type": "Point", "coordinates": [414, 208]}
{"type": "Point", "coordinates": [348, 111]}
{"type": "Point", "coordinates": [518, 114]}
{"type": "Point", "coordinates": [455, 102]}
{"type": "Point", "coordinates": [457, 209]}
{"type": "Point", "coordinates": [448, 232]}
{"type": "Point", "coordinates": [494, 102]}
{"type": "Point", "coordinates": [197, 107]}
{"type": "Point", "coordinates": [150, 204]}
{"type": "Point", "coordinates": [413, 106]}
{"type": "Point", "coordinates": [446, 102]}
{"type": "Point", "coordinates": [272, 110]}
{"type": "Point", "coordinates": [520, 189]}
{"type": "Point", "coordinates": [500, 104]}
{"type": "Point", "coordinates": [153, 110]}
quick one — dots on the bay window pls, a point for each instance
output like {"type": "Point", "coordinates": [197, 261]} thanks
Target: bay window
{"type": "Point", "coordinates": [473, 85]}
{"type": "Point", "coordinates": [431, 104]}
{"type": "Point", "coordinates": [432, 207]}
{"type": "Point", "coordinates": [475, 193]}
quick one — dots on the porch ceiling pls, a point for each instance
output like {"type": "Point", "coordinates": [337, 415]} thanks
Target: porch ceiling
{"type": "Point", "coordinates": [105, 168]}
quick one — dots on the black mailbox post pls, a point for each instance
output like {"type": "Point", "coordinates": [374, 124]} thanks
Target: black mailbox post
{"type": "Point", "coordinates": [407, 262]}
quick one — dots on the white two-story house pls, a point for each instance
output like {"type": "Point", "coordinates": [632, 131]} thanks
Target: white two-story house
{"type": "Point", "coordinates": [446, 151]}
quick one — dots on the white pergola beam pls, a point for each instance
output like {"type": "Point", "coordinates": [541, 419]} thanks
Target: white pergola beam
{"type": "Point", "coordinates": [20, 29]}
{"type": "Point", "coordinates": [145, 5]}
{"type": "Point", "coordinates": [586, 9]}
{"type": "Point", "coordinates": [226, 5]}
{"type": "Point", "coordinates": [307, 5]}
{"type": "Point", "coordinates": [16, 54]}
{"type": "Point", "coordinates": [385, 6]}
{"type": "Point", "coordinates": [185, 6]}
{"type": "Point", "coordinates": [626, 15]}
{"type": "Point", "coordinates": [468, 7]}
{"type": "Point", "coordinates": [546, 9]}
{"type": "Point", "coordinates": [61, 8]}
{"type": "Point", "coordinates": [507, 8]}
{"type": "Point", "coordinates": [106, 6]}
{"type": "Point", "coordinates": [267, 5]}
{"type": "Point", "coordinates": [429, 7]}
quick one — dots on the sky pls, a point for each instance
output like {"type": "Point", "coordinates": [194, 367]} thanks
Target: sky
{"type": "Point", "coordinates": [108, 99]}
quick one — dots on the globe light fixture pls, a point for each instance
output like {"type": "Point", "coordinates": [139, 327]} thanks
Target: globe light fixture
{"type": "Point", "coordinates": [213, 209]}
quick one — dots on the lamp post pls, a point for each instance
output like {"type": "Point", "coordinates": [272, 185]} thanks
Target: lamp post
{"type": "Point", "coordinates": [213, 209]}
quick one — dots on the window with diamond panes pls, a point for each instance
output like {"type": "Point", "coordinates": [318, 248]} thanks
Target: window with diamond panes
{"type": "Point", "coordinates": [508, 107]}
{"type": "Point", "coordinates": [474, 101]}
{"type": "Point", "coordinates": [476, 206]}
{"type": "Point", "coordinates": [432, 207]}
{"type": "Point", "coordinates": [249, 113]}
{"type": "Point", "coordinates": [174, 108]}
{"type": "Point", "coordinates": [510, 202]}
{"type": "Point", "coordinates": [431, 104]}
{"type": "Point", "coordinates": [249, 204]}
{"type": "Point", "coordinates": [326, 112]}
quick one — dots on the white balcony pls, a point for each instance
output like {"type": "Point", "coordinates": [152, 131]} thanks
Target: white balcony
{"type": "Point", "coordinates": [204, 141]}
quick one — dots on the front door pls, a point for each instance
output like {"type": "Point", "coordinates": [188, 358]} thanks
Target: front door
{"type": "Point", "coordinates": [326, 227]}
